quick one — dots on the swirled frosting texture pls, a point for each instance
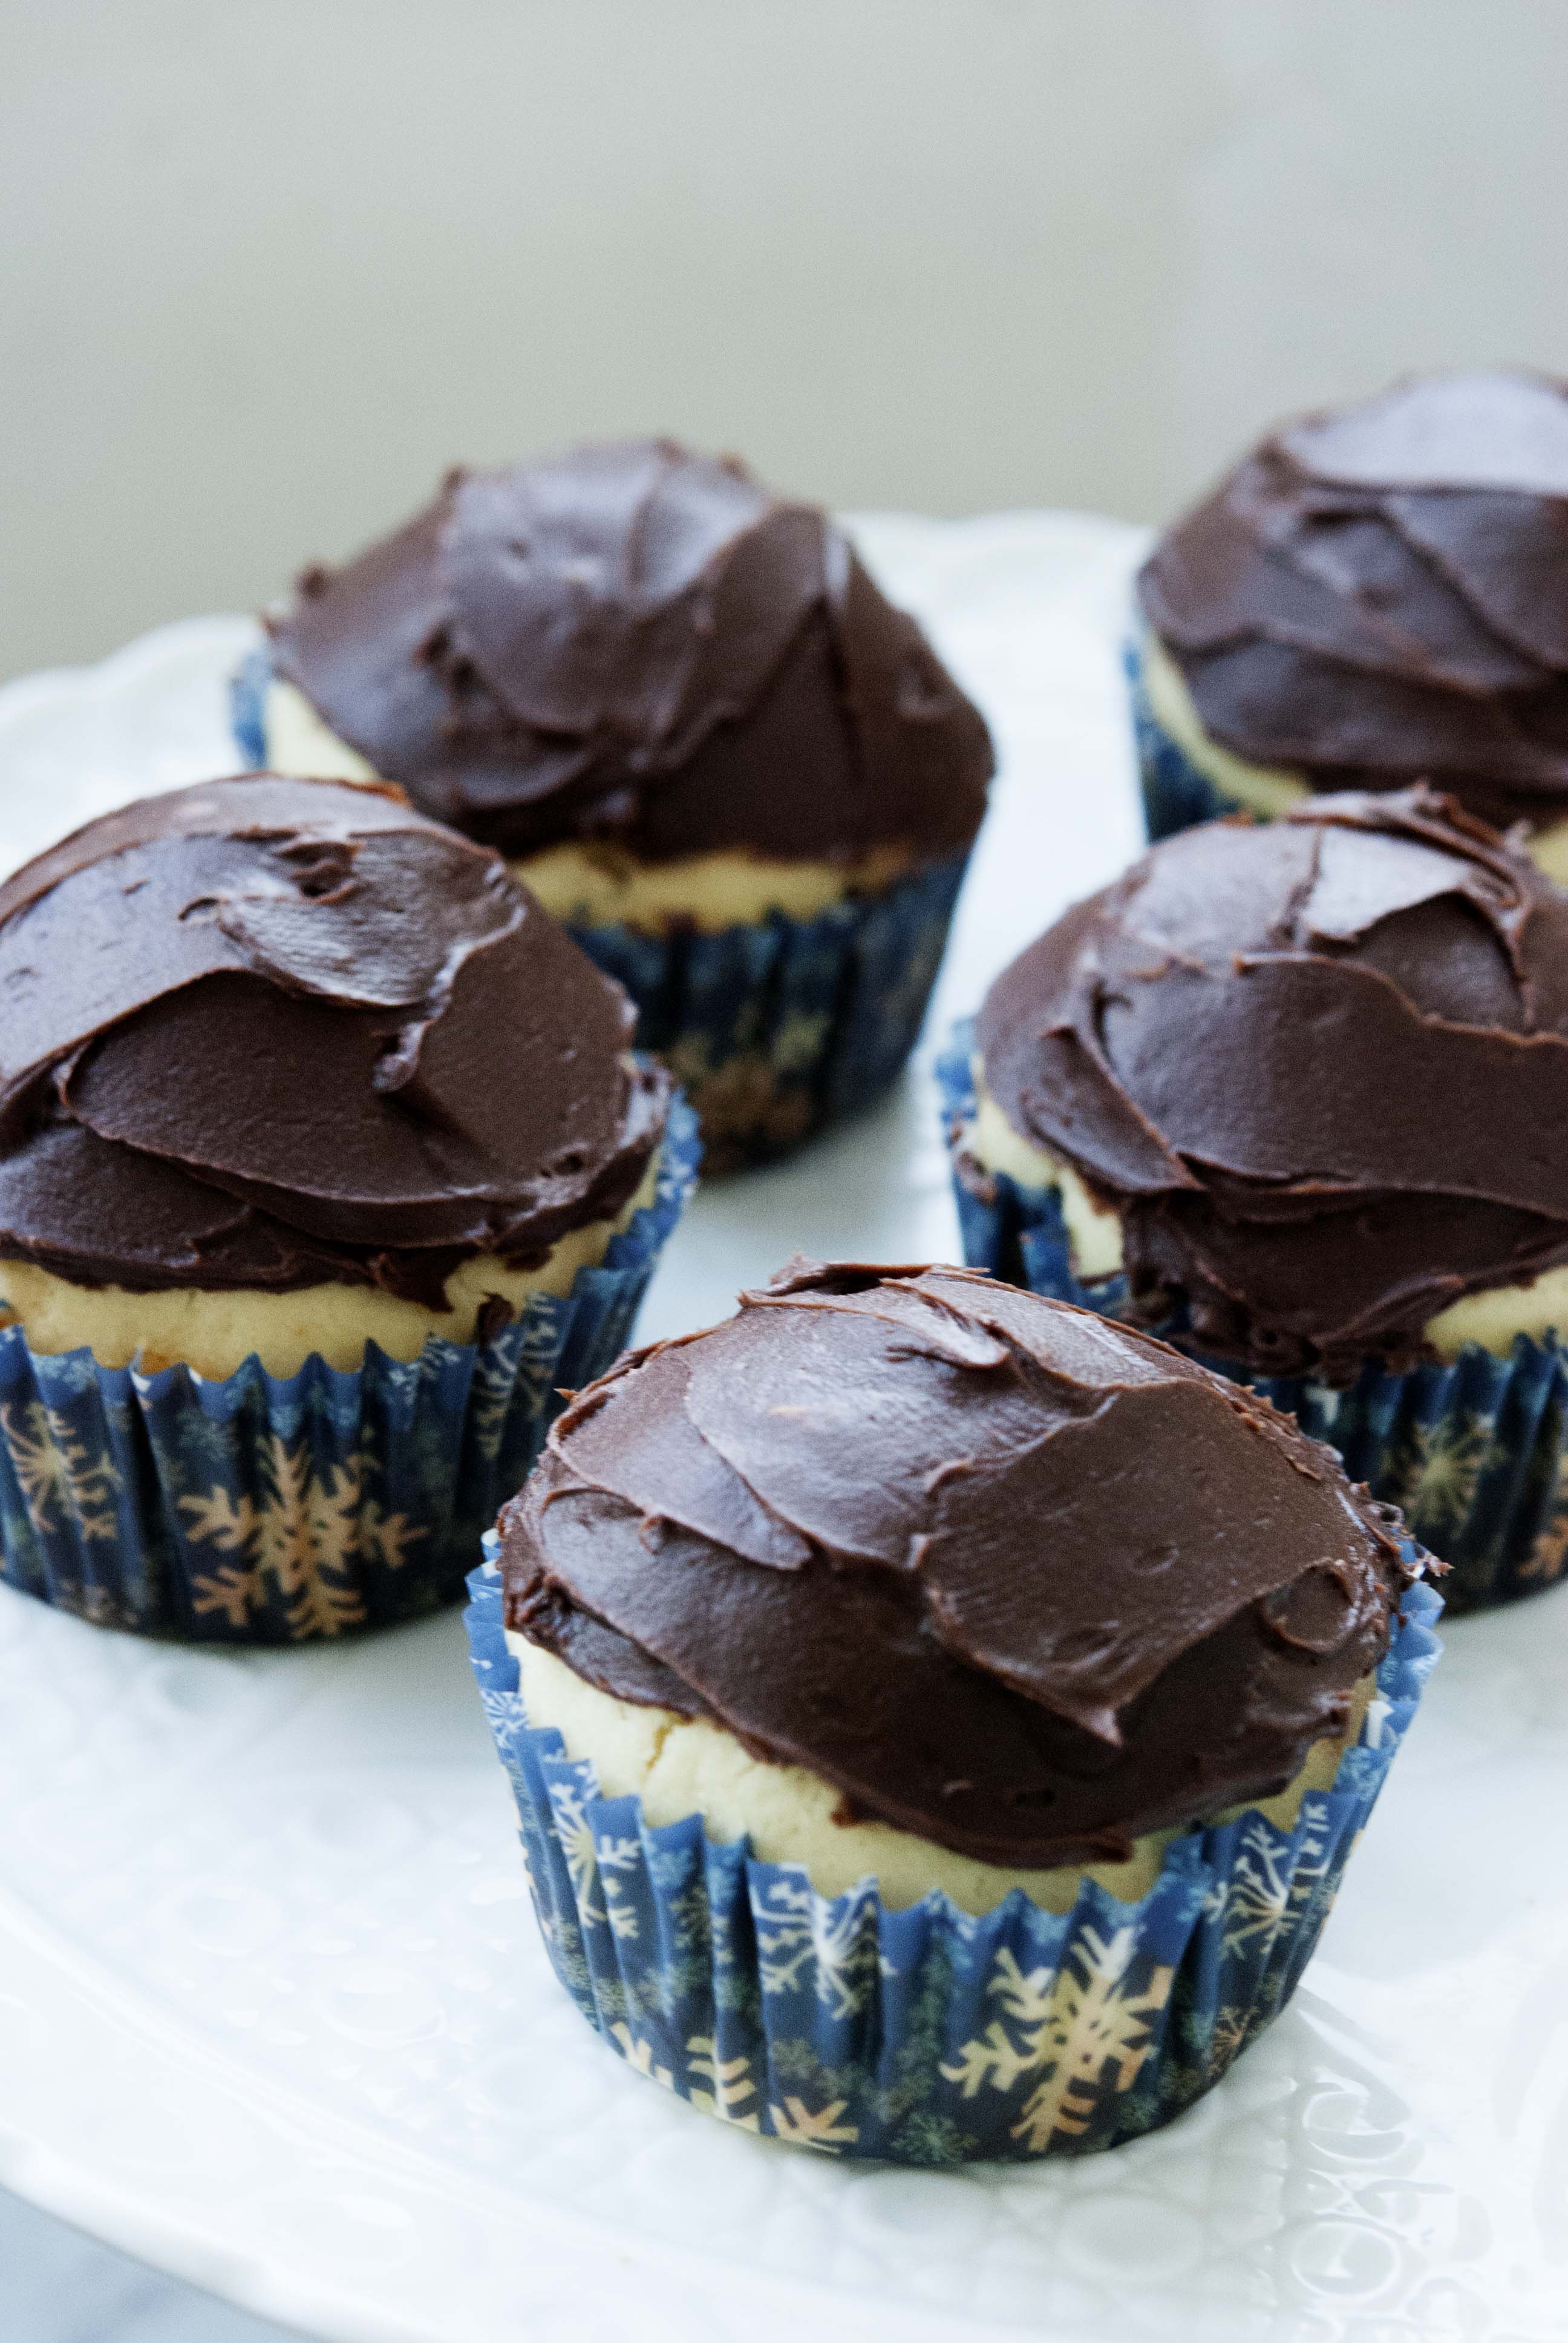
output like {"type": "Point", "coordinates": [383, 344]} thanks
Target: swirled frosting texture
{"type": "Point", "coordinates": [639, 645]}
{"type": "Point", "coordinates": [1380, 595]}
{"type": "Point", "coordinates": [271, 1034]}
{"type": "Point", "coordinates": [1013, 1577]}
{"type": "Point", "coordinates": [1320, 1067]}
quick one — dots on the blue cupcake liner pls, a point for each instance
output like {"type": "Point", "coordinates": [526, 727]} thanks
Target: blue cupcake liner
{"type": "Point", "coordinates": [929, 2036]}
{"type": "Point", "coordinates": [780, 1027]}
{"type": "Point", "coordinates": [774, 1028]}
{"type": "Point", "coordinates": [1176, 794]}
{"type": "Point", "coordinates": [247, 707]}
{"type": "Point", "coordinates": [263, 1509]}
{"type": "Point", "coordinates": [1472, 1450]}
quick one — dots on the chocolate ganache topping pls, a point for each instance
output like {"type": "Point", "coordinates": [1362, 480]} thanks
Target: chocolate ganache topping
{"type": "Point", "coordinates": [1319, 1067]}
{"type": "Point", "coordinates": [1012, 1577]}
{"type": "Point", "coordinates": [273, 1034]}
{"type": "Point", "coordinates": [641, 646]}
{"type": "Point", "coordinates": [1380, 595]}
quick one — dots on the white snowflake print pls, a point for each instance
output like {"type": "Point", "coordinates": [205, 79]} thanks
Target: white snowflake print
{"type": "Point", "coordinates": [574, 1834]}
{"type": "Point", "coordinates": [614, 1857]}
{"type": "Point", "coordinates": [802, 1937]}
{"type": "Point", "coordinates": [1263, 1898]}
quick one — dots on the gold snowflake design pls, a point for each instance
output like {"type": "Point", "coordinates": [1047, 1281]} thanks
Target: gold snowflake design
{"type": "Point", "coordinates": [820, 2128]}
{"type": "Point", "coordinates": [537, 1366]}
{"type": "Point", "coordinates": [746, 1112]}
{"type": "Point", "coordinates": [1067, 2029]}
{"type": "Point", "coordinates": [308, 1540]}
{"type": "Point", "coordinates": [638, 2056]}
{"type": "Point", "coordinates": [753, 1104]}
{"type": "Point", "coordinates": [1434, 1473]}
{"type": "Point", "coordinates": [723, 2085]}
{"type": "Point", "coordinates": [62, 1484]}
{"type": "Point", "coordinates": [1548, 1556]}
{"type": "Point", "coordinates": [1232, 2032]}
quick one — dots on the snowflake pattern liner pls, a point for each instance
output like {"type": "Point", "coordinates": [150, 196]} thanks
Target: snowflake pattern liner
{"type": "Point", "coordinates": [926, 2037]}
{"type": "Point", "coordinates": [774, 1028]}
{"type": "Point", "coordinates": [269, 1510]}
{"type": "Point", "coordinates": [1473, 1451]}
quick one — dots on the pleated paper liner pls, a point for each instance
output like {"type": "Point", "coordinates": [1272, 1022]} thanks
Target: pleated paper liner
{"type": "Point", "coordinates": [1176, 794]}
{"type": "Point", "coordinates": [780, 1027]}
{"type": "Point", "coordinates": [272, 1510]}
{"type": "Point", "coordinates": [774, 1028]}
{"type": "Point", "coordinates": [926, 2037]}
{"type": "Point", "coordinates": [1471, 1451]}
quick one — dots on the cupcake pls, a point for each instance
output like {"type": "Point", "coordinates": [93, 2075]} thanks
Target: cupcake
{"type": "Point", "coordinates": [1295, 1095]}
{"type": "Point", "coordinates": [938, 1717]}
{"type": "Point", "coordinates": [1377, 596]}
{"type": "Point", "coordinates": [323, 1162]}
{"type": "Point", "coordinates": [700, 734]}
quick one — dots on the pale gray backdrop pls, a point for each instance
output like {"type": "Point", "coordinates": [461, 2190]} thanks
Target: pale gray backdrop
{"type": "Point", "coordinates": [268, 266]}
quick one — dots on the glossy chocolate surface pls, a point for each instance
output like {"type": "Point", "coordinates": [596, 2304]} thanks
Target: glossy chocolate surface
{"type": "Point", "coordinates": [1380, 595]}
{"type": "Point", "coordinates": [1319, 1066]}
{"type": "Point", "coordinates": [1013, 1577]}
{"type": "Point", "coordinates": [636, 645]}
{"type": "Point", "coordinates": [268, 1034]}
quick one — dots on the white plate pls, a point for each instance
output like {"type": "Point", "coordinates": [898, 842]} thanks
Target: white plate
{"type": "Point", "coordinates": [272, 2009]}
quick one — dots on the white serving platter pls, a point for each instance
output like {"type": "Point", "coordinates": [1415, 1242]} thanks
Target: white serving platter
{"type": "Point", "coordinates": [273, 2013]}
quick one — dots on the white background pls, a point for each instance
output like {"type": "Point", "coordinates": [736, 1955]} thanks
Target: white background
{"type": "Point", "coordinates": [266, 266]}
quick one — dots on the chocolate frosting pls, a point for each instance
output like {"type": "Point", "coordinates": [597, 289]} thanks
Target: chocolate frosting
{"type": "Point", "coordinates": [1319, 1066]}
{"type": "Point", "coordinates": [1380, 594]}
{"type": "Point", "coordinates": [270, 1033]}
{"type": "Point", "coordinates": [1012, 1576]}
{"type": "Point", "coordinates": [639, 645]}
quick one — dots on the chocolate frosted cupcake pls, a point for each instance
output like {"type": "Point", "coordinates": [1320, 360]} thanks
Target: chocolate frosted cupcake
{"type": "Point", "coordinates": [322, 1160]}
{"type": "Point", "coordinates": [1295, 1095]}
{"type": "Point", "coordinates": [1376, 596]}
{"type": "Point", "coordinates": [938, 1717]}
{"type": "Point", "coordinates": [681, 709]}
